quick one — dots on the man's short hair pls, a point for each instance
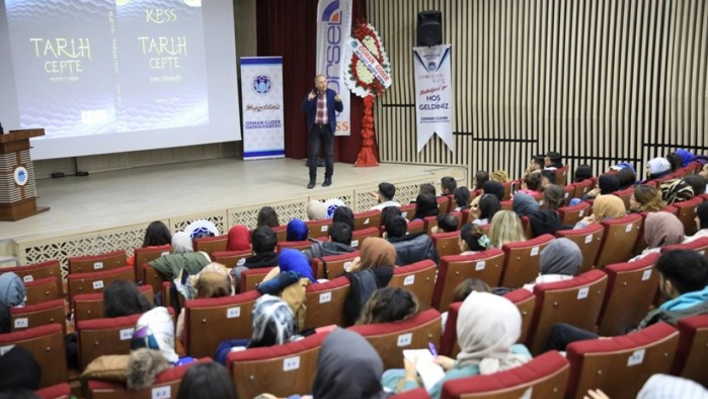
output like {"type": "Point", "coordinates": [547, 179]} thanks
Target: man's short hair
{"type": "Point", "coordinates": [449, 184]}
{"type": "Point", "coordinates": [549, 175]}
{"type": "Point", "coordinates": [263, 239]}
{"type": "Point", "coordinates": [447, 222]}
{"type": "Point", "coordinates": [396, 227]}
{"type": "Point", "coordinates": [480, 178]}
{"type": "Point", "coordinates": [686, 270]}
{"type": "Point", "coordinates": [554, 156]}
{"type": "Point", "coordinates": [389, 212]}
{"type": "Point", "coordinates": [387, 190]}
{"type": "Point", "coordinates": [341, 233]}
{"type": "Point", "coordinates": [697, 182]}
{"type": "Point", "coordinates": [344, 214]}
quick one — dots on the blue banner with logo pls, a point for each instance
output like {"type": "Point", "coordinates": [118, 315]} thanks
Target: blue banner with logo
{"type": "Point", "coordinates": [262, 106]}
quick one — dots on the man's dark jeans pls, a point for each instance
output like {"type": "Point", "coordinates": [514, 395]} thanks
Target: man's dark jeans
{"type": "Point", "coordinates": [321, 137]}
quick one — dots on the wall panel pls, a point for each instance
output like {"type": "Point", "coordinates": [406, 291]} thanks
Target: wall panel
{"type": "Point", "coordinates": [601, 81]}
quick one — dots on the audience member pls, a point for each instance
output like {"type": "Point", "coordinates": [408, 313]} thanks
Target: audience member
{"type": "Point", "coordinates": [701, 223]}
{"type": "Point", "coordinates": [182, 243]}
{"type": "Point", "coordinates": [560, 261]}
{"type": "Point", "coordinates": [340, 241]}
{"type": "Point", "coordinates": [156, 235]}
{"type": "Point", "coordinates": [541, 221]}
{"type": "Point", "coordinates": [524, 204]}
{"type": "Point", "coordinates": [427, 188]}
{"type": "Point", "coordinates": [582, 173]}
{"type": "Point", "coordinates": [267, 217]}
{"type": "Point", "coordinates": [494, 188]}
{"type": "Point", "coordinates": [239, 239]}
{"type": "Point", "coordinates": [447, 223]}
{"type": "Point", "coordinates": [385, 196]}
{"type": "Point", "coordinates": [184, 258]}
{"type": "Point", "coordinates": [675, 190]}
{"type": "Point", "coordinates": [480, 178]}
{"type": "Point", "coordinates": [548, 177]}
{"type": "Point", "coordinates": [627, 178]}
{"type": "Point", "coordinates": [123, 298]}
{"type": "Point", "coordinates": [488, 327]}
{"type": "Point", "coordinates": [472, 239]}
{"type": "Point", "coordinates": [488, 206]}
{"type": "Point", "coordinates": [12, 290]}
{"type": "Point", "coordinates": [657, 167]}
{"type": "Point", "coordinates": [468, 286]}
{"type": "Point", "coordinates": [207, 380]}
{"type": "Point", "coordinates": [606, 184]}
{"type": "Point", "coordinates": [297, 230]}
{"type": "Point", "coordinates": [646, 199]}
{"type": "Point", "coordinates": [662, 386]}
{"type": "Point", "coordinates": [316, 210]}
{"type": "Point", "coordinates": [201, 228]}
{"type": "Point", "coordinates": [448, 184]}
{"type": "Point", "coordinates": [675, 161]}
{"type": "Point", "coordinates": [344, 214]}
{"type": "Point", "coordinates": [19, 370]}
{"type": "Point", "coordinates": [536, 164]}
{"type": "Point", "coordinates": [425, 205]}
{"type": "Point", "coordinates": [697, 183]}
{"type": "Point", "coordinates": [389, 212]}
{"type": "Point", "coordinates": [155, 330]}
{"type": "Point", "coordinates": [553, 197]}
{"type": "Point", "coordinates": [531, 184]}
{"type": "Point", "coordinates": [387, 305]}
{"type": "Point", "coordinates": [410, 248]}
{"type": "Point", "coordinates": [499, 176]}
{"type": "Point", "coordinates": [213, 281]}
{"type": "Point", "coordinates": [660, 229]}
{"type": "Point", "coordinates": [553, 160]}
{"type": "Point", "coordinates": [683, 275]}
{"type": "Point", "coordinates": [505, 228]}
{"type": "Point", "coordinates": [686, 156]}
{"type": "Point", "coordinates": [604, 207]}
{"type": "Point", "coordinates": [263, 241]}
{"type": "Point", "coordinates": [461, 197]}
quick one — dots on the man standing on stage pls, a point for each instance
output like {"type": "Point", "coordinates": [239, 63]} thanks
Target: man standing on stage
{"type": "Point", "coordinates": [320, 105]}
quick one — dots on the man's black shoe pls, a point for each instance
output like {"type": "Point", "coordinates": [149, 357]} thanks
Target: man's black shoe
{"type": "Point", "coordinates": [327, 183]}
{"type": "Point", "coordinates": [311, 184]}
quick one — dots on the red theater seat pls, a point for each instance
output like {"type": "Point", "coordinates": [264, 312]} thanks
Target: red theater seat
{"type": "Point", "coordinates": [486, 266]}
{"type": "Point", "coordinates": [42, 290]}
{"type": "Point", "coordinates": [299, 245]}
{"type": "Point", "coordinates": [618, 239]}
{"type": "Point", "coordinates": [211, 244]}
{"type": "Point", "coordinates": [570, 215]}
{"type": "Point", "coordinates": [447, 243]}
{"type": "Point", "coordinates": [90, 306]}
{"type": "Point", "coordinates": [700, 245]}
{"type": "Point", "coordinates": [29, 273]}
{"type": "Point", "coordinates": [522, 261]}
{"type": "Point", "coordinates": [318, 228]}
{"type": "Point", "coordinates": [97, 263]}
{"type": "Point", "coordinates": [687, 213]}
{"type": "Point", "coordinates": [59, 391]}
{"type": "Point", "coordinates": [325, 303]}
{"type": "Point", "coordinates": [230, 258]}
{"type": "Point", "coordinates": [93, 282]}
{"type": "Point", "coordinates": [252, 277]}
{"type": "Point", "coordinates": [692, 349]}
{"type": "Point", "coordinates": [333, 266]}
{"type": "Point", "coordinates": [364, 220]}
{"type": "Point", "coordinates": [147, 255]}
{"type": "Point", "coordinates": [417, 278]}
{"type": "Point", "coordinates": [38, 315]}
{"type": "Point", "coordinates": [46, 344]}
{"type": "Point", "coordinates": [358, 236]}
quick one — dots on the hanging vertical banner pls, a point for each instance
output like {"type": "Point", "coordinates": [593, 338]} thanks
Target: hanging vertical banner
{"type": "Point", "coordinates": [262, 106]}
{"type": "Point", "coordinates": [334, 26]}
{"type": "Point", "coordinates": [433, 98]}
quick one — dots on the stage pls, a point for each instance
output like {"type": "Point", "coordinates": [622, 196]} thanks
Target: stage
{"type": "Point", "coordinates": [108, 211]}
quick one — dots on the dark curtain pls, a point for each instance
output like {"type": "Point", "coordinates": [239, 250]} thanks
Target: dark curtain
{"type": "Point", "coordinates": [288, 28]}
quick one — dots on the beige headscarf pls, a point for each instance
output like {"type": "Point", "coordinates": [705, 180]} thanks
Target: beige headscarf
{"type": "Point", "coordinates": [663, 228]}
{"type": "Point", "coordinates": [377, 252]}
{"type": "Point", "coordinates": [316, 210]}
{"type": "Point", "coordinates": [487, 326]}
{"type": "Point", "coordinates": [608, 206]}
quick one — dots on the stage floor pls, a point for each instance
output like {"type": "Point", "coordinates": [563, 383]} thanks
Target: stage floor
{"type": "Point", "coordinates": [224, 190]}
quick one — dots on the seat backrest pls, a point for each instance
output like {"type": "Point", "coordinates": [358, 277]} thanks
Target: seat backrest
{"type": "Point", "coordinates": [358, 236]}
{"type": "Point", "coordinates": [211, 244]}
{"type": "Point", "coordinates": [692, 352]}
{"type": "Point", "coordinates": [631, 288]}
{"type": "Point", "coordinates": [90, 306]}
{"type": "Point", "coordinates": [42, 290]}
{"type": "Point", "coordinates": [687, 214]}
{"type": "Point", "coordinates": [165, 386]}
{"type": "Point", "coordinates": [621, 365]}
{"type": "Point", "coordinates": [583, 187]}
{"type": "Point", "coordinates": [107, 336]}
{"type": "Point", "coordinates": [568, 191]}
{"type": "Point", "coordinates": [448, 341]}
{"type": "Point", "coordinates": [42, 314]}
{"type": "Point", "coordinates": [252, 277]}
{"type": "Point", "coordinates": [89, 283]}
{"type": "Point", "coordinates": [625, 195]}
{"type": "Point", "coordinates": [364, 220]}
{"type": "Point", "coordinates": [447, 243]}
{"type": "Point", "coordinates": [545, 376]}
{"type": "Point", "coordinates": [444, 202]}
{"type": "Point", "coordinates": [507, 189]}
{"type": "Point", "coordinates": [588, 240]}
{"type": "Point", "coordinates": [325, 303]}
{"type": "Point", "coordinates": [59, 391]}
{"type": "Point", "coordinates": [416, 226]}
{"type": "Point", "coordinates": [430, 222]}
{"type": "Point", "coordinates": [507, 205]}
{"type": "Point", "coordinates": [417, 278]}
{"type": "Point", "coordinates": [699, 245]}
{"type": "Point", "coordinates": [152, 277]}
{"type": "Point", "coordinates": [29, 273]}
{"type": "Point", "coordinates": [230, 258]}
{"type": "Point", "coordinates": [299, 245]}
{"type": "Point", "coordinates": [576, 302]}
{"type": "Point", "coordinates": [561, 175]}
{"type": "Point", "coordinates": [408, 211]}
{"type": "Point", "coordinates": [332, 266]}
{"type": "Point", "coordinates": [417, 393]}
{"type": "Point", "coordinates": [390, 339]}
{"type": "Point", "coordinates": [486, 266]}
{"type": "Point", "coordinates": [570, 215]}
{"type": "Point", "coordinates": [147, 255]}
{"type": "Point", "coordinates": [280, 370]}
{"type": "Point", "coordinates": [46, 344]}
{"type": "Point", "coordinates": [224, 318]}
{"type": "Point", "coordinates": [318, 228]}
{"type": "Point", "coordinates": [281, 232]}
{"type": "Point", "coordinates": [525, 301]}
{"type": "Point", "coordinates": [97, 263]}
{"type": "Point", "coordinates": [522, 261]}
{"type": "Point", "coordinates": [618, 239]}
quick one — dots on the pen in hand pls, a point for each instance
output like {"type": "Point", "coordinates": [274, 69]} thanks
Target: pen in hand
{"type": "Point", "coordinates": [431, 346]}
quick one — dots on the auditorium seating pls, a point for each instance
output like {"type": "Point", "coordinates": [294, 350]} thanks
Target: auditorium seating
{"type": "Point", "coordinates": [687, 214]}
{"type": "Point", "coordinates": [332, 266]}
{"type": "Point", "coordinates": [42, 270]}
{"type": "Point", "coordinates": [165, 386]}
{"type": "Point", "coordinates": [432, 221]}
{"type": "Point", "coordinates": [211, 244]}
{"type": "Point", "coordinates": [417, 278]}
{"type": "Point", "coordinates": [325, 303]}
{"type": "Point", "coordinates": [486, 266]}
{"type": "Point", "coordinates": [631, 288]}
{"type": "Point", "coordinates": [299, 245]}
{"type": "Point", "coordinates": [576, 302]}
{"type": "Point", "coordinates": [522, 261]}
{"type": "Point", "coordinates": [281, 232]}
{"type": "Point", "coordinates": [448, 341]}
{"type": "Point", "coordinates": [568, 190]}
{"type": "Point", "coordinates": [42, 290]}
{"type": "Point", "coordinates": [147, 255]}
{"type": "Point", "coordinates": [525, 301]}
{"type": "Point", "coordinates": [588, 240]}
{"type": "Point", "coordinates": [408, 211]}
{"type": "Point", "coordinates": [358, 236]}
{"type": "Point", "coordinates": [621, 365]}
{"type": "Point", "coordinates": [561, 175]}
{"type": "Point", "coordinates": [92, 282]}
{"type": "Point", "coordinates": [700, 245]}
{"type": "Point", "coordinates": [42, 314]}
{"type": "Point", "coordinates": [692, 349]}
{"type": "Point", "coordinates": [152, 277]}
{"type": "Point", "coordinates": [280, 370]}
{"type": "Point", "coordinates": [59, 391]}
{"type": "Point", "coordinates": [90, 306]}
{"type": "Point", "coordinates": [618, 239]}
{"type": "Point", "coordinates": [318, 228]}
{"type": "Point", "coordinates": [230, 258]}
{"type": "Point", "coordinates": [444, 202]}
{"type": "Point", "coordinates": [252, 277]}
{"type": "Point", "coordinates": [416, 226]}
{"type": "Point", "coordinates": [97, 263]}
{"type": "Point", "coordinates": [625, 195]}
{"type": "Point", "coordinates": [583, 187]}
{"type": "Point", "coordinates": [364, 220]}
{"type": "Point", "coordinates": [46, 344]}
{"type": "Point", "coordinates": [570, 215]}
{"type": "Point", "coordinates": [224, 318]}
{"type": "Point", "coordinates": [544, 377]}
{"type": "Point", "coordinates": [447, 243]}
{"type": "Point", "coordinates": [390, 339]}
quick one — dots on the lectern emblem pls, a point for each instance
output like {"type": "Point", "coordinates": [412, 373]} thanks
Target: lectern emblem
{"type": "Point", "coordinates": [21, 176]}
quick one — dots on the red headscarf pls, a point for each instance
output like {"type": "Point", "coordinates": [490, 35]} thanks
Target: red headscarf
{"type": "Point", "coordinates": [239, 239]}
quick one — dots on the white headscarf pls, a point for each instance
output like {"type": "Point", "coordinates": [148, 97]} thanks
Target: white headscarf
{"type": "Point", "coordinates": [487, 326]}
{"type": "Point", "coordinates": [156, 330]}
{"type": "Point", "coordinates": [658, 165]}
{"type": "Point", "coordinates": [661, 386]}
{"type": "Point", "coordinates": [182, 243]}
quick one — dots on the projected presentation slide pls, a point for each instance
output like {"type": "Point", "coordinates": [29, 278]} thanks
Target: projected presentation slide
{"type": "Point", "coordinates": [119, 75]}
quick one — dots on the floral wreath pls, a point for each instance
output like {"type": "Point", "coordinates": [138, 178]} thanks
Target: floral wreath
{"type": "Point", "coordinates": [360, 79]}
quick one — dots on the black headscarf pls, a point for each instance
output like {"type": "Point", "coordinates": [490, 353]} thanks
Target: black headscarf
{"type": "Point", "coordinates": [495, 188]}
{"type": "Point", "coordinates": [608, 184]}
{"type": "Point", "coordinates": [19, 370]}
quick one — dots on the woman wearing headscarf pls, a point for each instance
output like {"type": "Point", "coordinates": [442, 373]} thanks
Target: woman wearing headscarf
{"type": "Point", "coordinates": [316, 210]}
{"type": "Point", "coordinates": [488, 327]}
{"type": "Point", "coordinates": [686, 156]}
{"type": "Point", "coordinates": [184, 258]}
{"type": "Point", "coordinates": [371, 270]}
{"type": "Point", "coordinates": [660, 229]}
{"type": "Point", "coordinates": [606, 184]}
{"type": "Point", "coordinates": [524, 204]}
{"type": "Point", "coordinates": [560, 261]}
{"type": "Point", "coordinates": [12, 290]}
{"type": "Point", "coordinates": [657, 167]}
{"type": "Point", "coordinates": [701, 223]}
{"type": "Point", "coordinates": [272, 323]}
{"type": "Point", "coordinates": [239, 239]}
{"type": "Point", "coordinates": [297, 230]}
{"type": "Point", "coordinates": [605, 207]}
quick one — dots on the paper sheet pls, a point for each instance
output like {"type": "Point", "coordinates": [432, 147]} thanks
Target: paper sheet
{"type": "Point", "coordinates": [429, 372]}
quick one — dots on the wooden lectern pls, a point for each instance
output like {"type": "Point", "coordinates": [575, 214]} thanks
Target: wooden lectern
{"type": "Point", "coordinates": [18, 191]}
